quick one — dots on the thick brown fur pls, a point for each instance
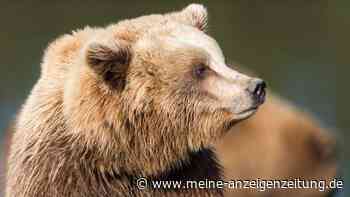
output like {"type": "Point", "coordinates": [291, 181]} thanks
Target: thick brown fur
{"type": "Point", "coordinates": [78, 135]}
{"type": "Point", "coordinates": [242, 160]}
{"type": "Point", "coordinates": [65, 142]}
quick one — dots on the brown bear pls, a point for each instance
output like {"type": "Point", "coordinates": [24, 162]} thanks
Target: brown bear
{"type": "Point", "coordinates": [146, 97]}
{"type": "Point", "coordinates": [306, 148]}
{"type": "Point", "coordinates": [279, 142]}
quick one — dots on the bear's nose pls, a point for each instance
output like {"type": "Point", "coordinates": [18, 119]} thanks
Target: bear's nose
{"type": "Point", "coordinates": [257, 89]}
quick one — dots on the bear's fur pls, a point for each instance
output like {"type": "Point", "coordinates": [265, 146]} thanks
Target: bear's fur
{"type": "Point", "coordinates": [306, 162]}
{"type": "Point", "coordinates": [145, 97]}
{"type": "Point", "coordinates": [278, 142]}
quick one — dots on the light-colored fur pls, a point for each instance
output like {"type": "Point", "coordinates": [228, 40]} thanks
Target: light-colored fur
{"type": "Point", "coordinates": [255, 149]}
{"type": "Point", "coordinates": [121, 102]}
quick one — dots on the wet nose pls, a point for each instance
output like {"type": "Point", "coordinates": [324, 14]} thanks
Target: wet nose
{"type": "Point", "coordinates": [257, 89]}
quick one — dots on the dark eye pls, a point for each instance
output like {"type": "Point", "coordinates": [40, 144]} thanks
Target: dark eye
{"type": "Point", "coordinates": [200, 70]}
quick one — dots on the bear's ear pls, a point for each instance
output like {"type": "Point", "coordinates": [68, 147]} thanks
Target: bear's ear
{"type": "Point", "coordinates": [109, 61]}
{"type": "Point", "coordinates": [196, 15]}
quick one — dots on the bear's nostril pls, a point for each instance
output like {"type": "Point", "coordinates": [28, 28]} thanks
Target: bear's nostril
{"type": "Point", "coordinates": [257, 89]}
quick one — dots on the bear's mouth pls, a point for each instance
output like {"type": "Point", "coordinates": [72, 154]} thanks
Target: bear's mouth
{"type": "Point", "coordinates": [254, 108]}
{"type": "Point", "coordinates": [246, 113]}
{"type": "Point", "coordinates": [238, 117]}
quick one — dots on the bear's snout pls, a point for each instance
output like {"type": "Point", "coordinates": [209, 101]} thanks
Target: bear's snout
{"type": "Point", "coordinates": [257, 89]}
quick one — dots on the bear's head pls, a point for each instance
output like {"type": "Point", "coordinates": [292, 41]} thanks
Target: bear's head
{"type": "Point", "coordinates": [146, 92]}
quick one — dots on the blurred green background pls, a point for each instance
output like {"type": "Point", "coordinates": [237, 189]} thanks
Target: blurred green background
{"type": "Point", "coordinates": [299, 47]}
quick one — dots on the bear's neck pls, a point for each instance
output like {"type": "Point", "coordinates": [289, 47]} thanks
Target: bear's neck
{"type": "Point", "coordinates": [201, 165]}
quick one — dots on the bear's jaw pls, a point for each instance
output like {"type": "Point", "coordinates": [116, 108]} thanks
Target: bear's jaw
{"type": "Point", "coordinates": [245, 114]}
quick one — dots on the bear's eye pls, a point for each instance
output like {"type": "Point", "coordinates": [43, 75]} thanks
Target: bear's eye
{"type": "Point", "coordinates": [200, 70]}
